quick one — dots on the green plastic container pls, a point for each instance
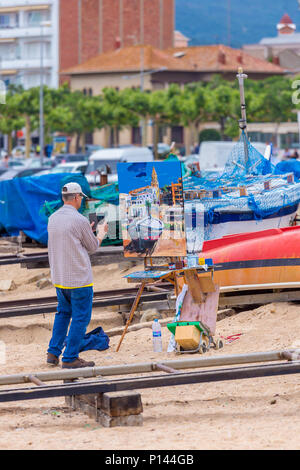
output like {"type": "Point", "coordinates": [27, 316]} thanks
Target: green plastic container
{"type": "Point", "coordinates": [197, 324]}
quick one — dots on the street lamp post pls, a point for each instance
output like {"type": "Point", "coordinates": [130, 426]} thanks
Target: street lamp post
{"type": "Point", "coordinates": [43, 25]}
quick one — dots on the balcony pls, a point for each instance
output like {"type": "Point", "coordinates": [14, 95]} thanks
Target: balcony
{"type": "Point", "coordinates": [21, 3]}
{"type": "Point", "coordinates": [16, 33]}
{"type": "Point", "coordinates": [24, 64]}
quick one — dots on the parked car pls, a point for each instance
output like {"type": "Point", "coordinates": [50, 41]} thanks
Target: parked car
{"type": "Point", "coordinates": [16, 163]}
{"type": "Point", "coordinates": [75, 167]}
{"type": "Point", "coordinates": [3, 169]}
{"type": "Point", "coordinates": [19, 173]}
{"type": "Point", "coordinates": [89, 149]}
{"type": "Point", "coordinates": [106, 160]}
{"type": "Point", "coordinates": [20, 151]}
{"type": "Point", "coordinates": [69, 157]}
{"type": "Point", "coordinates": [213, 155]}
{"type": "Point", "coordinates": [36, 163]}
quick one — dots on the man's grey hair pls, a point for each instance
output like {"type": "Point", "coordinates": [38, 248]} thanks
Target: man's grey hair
{"type": "Point", "coordinates": [68, 197]}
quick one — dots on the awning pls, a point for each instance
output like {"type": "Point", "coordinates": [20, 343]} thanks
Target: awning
{"type": "Point", "coordinates": [24, 8]}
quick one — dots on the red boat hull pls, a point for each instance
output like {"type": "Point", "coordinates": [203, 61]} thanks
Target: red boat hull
{"type": "Point", "coordinates": [270, 256]}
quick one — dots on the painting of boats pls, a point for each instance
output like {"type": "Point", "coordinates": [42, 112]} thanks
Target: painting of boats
{"type": "Point", "coordinates": [152, 209]}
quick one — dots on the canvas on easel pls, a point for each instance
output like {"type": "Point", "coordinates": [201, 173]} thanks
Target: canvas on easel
{"type": "Point", "coordinates": [152, 209]}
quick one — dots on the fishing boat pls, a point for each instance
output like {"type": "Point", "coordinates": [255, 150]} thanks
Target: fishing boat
{"type": "Point", "coordinates": [247, 196]}
{"type": "Point", "coordinates": [263, 203]}
{"type": "Point", "coordinates": [266, 257]}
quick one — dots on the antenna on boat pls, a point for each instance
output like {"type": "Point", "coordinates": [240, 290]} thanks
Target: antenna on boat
{"type": "Point", "coordinates": [241, 76]}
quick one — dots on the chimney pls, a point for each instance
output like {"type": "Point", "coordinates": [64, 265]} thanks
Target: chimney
{"type": "Point", "coordinates": [221, 57]}
{"type": "Point", "coordinates": [275, 60]}
{"type": "Point", "coordinates": [240, 58]}
{"type": "Point", "coordinates": [117, 42]}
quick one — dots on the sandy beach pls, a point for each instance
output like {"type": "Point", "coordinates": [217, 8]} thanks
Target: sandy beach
{"type": "Point", "coordinates": [243, 414]}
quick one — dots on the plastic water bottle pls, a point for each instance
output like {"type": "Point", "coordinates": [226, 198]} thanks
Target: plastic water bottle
{"type": "Point", "coordinates": [156, 336]}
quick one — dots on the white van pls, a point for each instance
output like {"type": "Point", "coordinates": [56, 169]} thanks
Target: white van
{"type": "Point", "coordinates": [106, 160]}
{"type": "Point", "coordinates": [213, 155]}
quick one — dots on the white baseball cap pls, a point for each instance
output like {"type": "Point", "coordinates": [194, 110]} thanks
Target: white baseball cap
{"type": "Point", "coordinates": [73, 188]}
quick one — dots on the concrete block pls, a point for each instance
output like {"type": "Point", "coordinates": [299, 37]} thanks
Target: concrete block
{"type": "Point", "coordinates": [121, 403]}
{"type": "Point", "coordinates": [110, 409]}
{"type": "Point", "coordinates": [227, 312]}
{"type": "Point", "coordinates": [111, 422]}
{"type": "Point", "coordinates": [36, 278]}
{"type": "Point", "coordinates": [44, 283]}
{"type": "Point", "coordinates": [150, 315]}
{"type": "Point", "coordinates": [7, 284]}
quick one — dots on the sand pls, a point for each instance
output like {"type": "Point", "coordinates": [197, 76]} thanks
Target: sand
{"type": "Point", "coordinates": [259, 413]}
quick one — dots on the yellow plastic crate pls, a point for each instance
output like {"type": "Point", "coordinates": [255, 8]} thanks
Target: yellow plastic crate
{"type": "Point", "coordinates": [188, 337]}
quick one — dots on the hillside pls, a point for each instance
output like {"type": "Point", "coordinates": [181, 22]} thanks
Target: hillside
{"type": "Point", "coordinates": [206, 22]}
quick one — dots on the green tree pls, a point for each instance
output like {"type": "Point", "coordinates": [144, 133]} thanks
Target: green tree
{"type": "Point", "coordinates": [10, 119]}
{"type": "Point", "coordinates": [117, 114]}
{"type": "Point", "coordinates": [225, 105]}
{"type": "Point", "coordinates": [75, 114]}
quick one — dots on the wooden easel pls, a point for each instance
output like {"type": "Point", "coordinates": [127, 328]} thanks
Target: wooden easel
{"type": "Point", "coordinates": [198, 282]}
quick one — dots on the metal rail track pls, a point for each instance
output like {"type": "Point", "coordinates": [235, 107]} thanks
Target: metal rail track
{"type": "Point", "coordinates": [153, 381]}
{"type": "Point", "coordinates": [41, 258]}
{"type": "Point", "coordinates": [25, 307]}
{"type": "Point", "coordinates": [230, 297]}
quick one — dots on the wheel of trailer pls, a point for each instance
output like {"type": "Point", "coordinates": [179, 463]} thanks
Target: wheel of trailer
{"type": "Point", "coordinates": [204, 344]}
{"type": "Point", "coordinates": [219, 343]}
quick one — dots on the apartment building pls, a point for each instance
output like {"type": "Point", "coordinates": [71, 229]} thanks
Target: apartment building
{"type": "Point", "coordinates": [53, 35]}
{"type": "Point", "coordinates": [29, 38]}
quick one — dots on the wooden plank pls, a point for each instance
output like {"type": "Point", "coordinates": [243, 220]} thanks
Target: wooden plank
{"type": "Point", "coordinates": [258, 299]}
{"type": "Point", "coordinates": [194, 285]}
{"type": "Point", "coordinates": [206, 282]}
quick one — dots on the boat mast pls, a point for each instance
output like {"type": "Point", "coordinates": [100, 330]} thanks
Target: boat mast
{"type": "Point", "coordinates": [243, 122]}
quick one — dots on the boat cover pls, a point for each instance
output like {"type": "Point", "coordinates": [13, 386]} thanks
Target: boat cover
{"type": "Point", "coordinates": [22, 200]}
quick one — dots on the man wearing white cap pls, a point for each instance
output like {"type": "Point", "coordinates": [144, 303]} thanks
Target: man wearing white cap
{"type": "Point", "coordinates": [70, 241]}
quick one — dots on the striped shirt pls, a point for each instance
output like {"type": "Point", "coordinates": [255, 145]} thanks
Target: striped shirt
{"type": "Point", "coordinates": [70, 241]}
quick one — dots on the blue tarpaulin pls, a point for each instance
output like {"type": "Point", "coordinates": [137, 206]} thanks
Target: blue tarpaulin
{"type": "Point", "coordinates": [21, 201]}
{"type": "Point", "coordinates": [288, 166]}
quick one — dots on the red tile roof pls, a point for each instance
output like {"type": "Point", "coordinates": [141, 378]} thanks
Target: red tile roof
{"type": "Point", "coordinates": [222, 58]}
{"type": "Point", "coordinates": [217, 58]}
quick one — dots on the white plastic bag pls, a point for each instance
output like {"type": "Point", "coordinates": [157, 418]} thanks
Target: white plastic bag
{"type": "Point", "coordinates": [179, 302]}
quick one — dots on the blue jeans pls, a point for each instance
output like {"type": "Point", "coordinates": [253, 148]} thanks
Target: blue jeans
{"type": "Point", "coordinates": [75, 306]}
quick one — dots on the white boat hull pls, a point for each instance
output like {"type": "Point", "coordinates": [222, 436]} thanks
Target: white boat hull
{"type": "Point", "coordinates": [215, 231]}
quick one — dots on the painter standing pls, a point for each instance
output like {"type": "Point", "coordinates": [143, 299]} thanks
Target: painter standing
{"type": "Point", "coordinates": [70, 241]}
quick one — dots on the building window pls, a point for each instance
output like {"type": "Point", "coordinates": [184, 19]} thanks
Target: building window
{"type": "Point", "coordinates": [33, 50]}
{"type": "Point", "coordinates": [177, 134]}
{"type": "Point", "coordinates": [35, 18]}
{"type": "Point", "coordinates": [136, 135]}
{"type": "Point", "coordinates": [9, 20]}
{"type": "Point", "coordinates": [89, 138]}
{"type": "Point", "coordinates": [34, 79]}
{"type": "Point", "coordinates": [8, 51]}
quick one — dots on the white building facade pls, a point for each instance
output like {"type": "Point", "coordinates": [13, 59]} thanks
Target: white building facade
{"type": "Point", "coordinates": [29, 42]}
